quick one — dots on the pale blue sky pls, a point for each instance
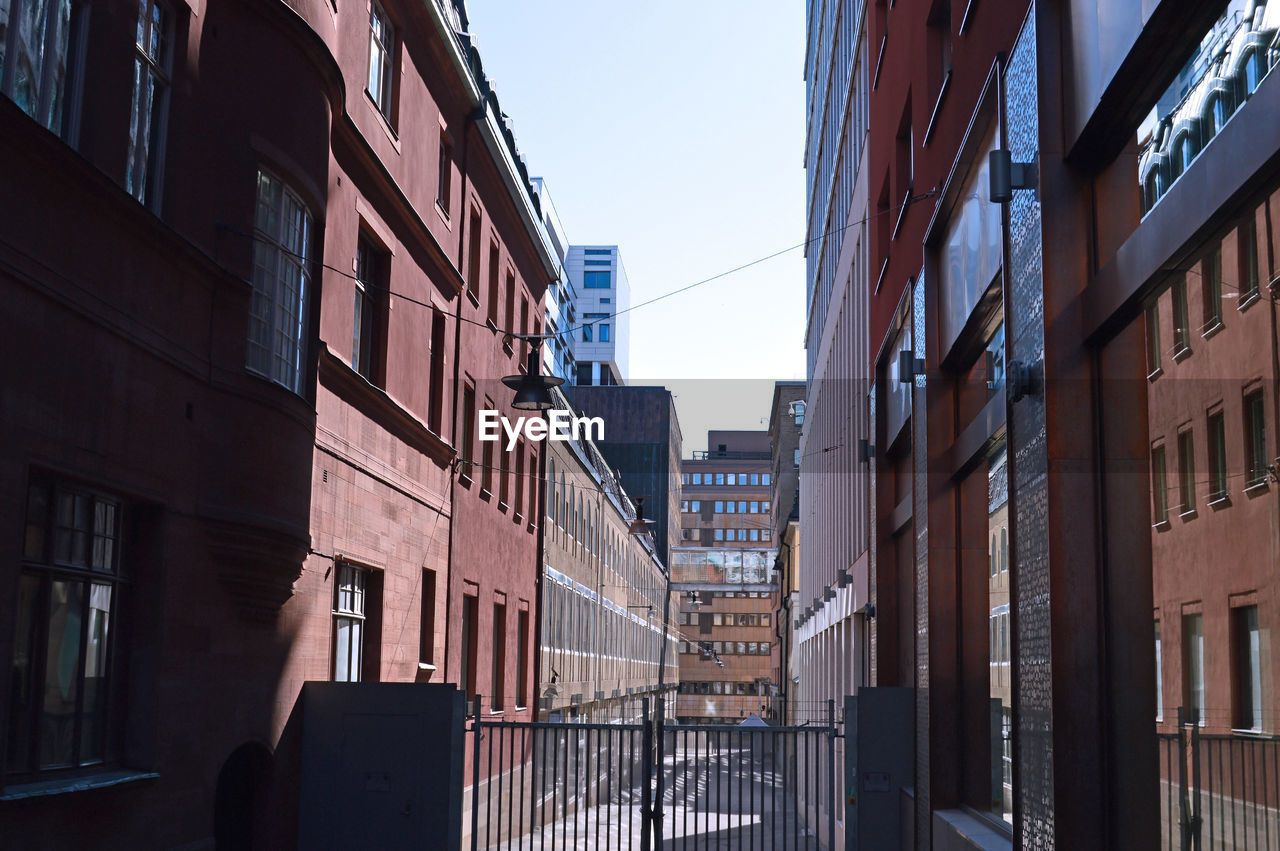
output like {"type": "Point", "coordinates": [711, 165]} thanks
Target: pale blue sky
{"type": "Point", "coordinates": [676, 131]}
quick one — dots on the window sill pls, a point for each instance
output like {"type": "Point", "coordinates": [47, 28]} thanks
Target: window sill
{"type": "Point", "coordinates": [426, 666]}
{"type": "Point", "coordinates": [1257, 488]}
{"type": "Point", "coordinates": [443, 214]}
{"type": "Point", "coordinates": [66, 785]}
{"type": "Point", "coordinates": [507, 347]}
{"type": "Point", "coordinates": [1221, 502]}
{"type": "Point", "coordinates": [503, 507]}
{"type": "Point", "coordinates": [1162, 526]}
{"type": "Point", "coordinates": [384, 122]}
{"type": "Point", "coordinates": [517, 518]}
{"type": "Point", "coordinates": [486, 494]}
{"type": "Point", "coordinates": [464, 479]}
{"type": "Point", "coordinates": [490, 324]}
{"type": "Point", "coordinates": [492, 713]}
{"type": "Point", "coordinates": [1213, 329]}
{"type": "Point", "coordinates": [1189, 514]}
{"type": "Point", "coordinates": [1182, 354]}
{"type": "Point", "coordinates": [1253, 732]}
{"type": "Point", "coordinates": [1248, 301]}
{"type": "Point", "coordinates": [1155, 373]}
{"type": "Point", "coordinates": [472, 297]}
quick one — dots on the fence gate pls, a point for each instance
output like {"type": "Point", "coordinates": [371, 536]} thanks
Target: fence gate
{"type": "Point", "coordinates": [1218, 791]}
{"type": "Point", "coordinates": [650, 785]}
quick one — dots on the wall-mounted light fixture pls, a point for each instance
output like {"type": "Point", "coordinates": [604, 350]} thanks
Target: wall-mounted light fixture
{"type": "Point", "coordinates": [844, 578]}
{"type": "Point", "coordinates": [829, 593]}
{"type": "Point", "coordinates": [865, 450]}
{"type": "Point", "coordinates": [1007, 175]}
{"type": "Point", "coordinates": [1023, 379]}
{"type": "Point", "coordinates": [909, 366]}
{"type": "Point", "coordinates": [869, 611]}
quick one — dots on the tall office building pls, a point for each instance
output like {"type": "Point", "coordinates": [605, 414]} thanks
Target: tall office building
{"type": "Point", "coordinates": [726, 583]}
{"type": "Point", "coordinates": [560, 300]}
{"type": "Point", "coordinates": [831, 566]}
{"type": "Point", "coordinates": [601, 336]}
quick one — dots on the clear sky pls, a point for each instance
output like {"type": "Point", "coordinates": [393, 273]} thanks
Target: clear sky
{"type": "Point", "coordinates": [676, 131]}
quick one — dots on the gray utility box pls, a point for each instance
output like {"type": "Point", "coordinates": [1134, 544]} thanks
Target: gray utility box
{"type": "Point", "coordinates": [381, 766]}
{"type": "Point", "coordinates": [879, 728]}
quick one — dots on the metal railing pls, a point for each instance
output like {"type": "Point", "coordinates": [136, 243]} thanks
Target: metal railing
{"type": "Point", "coordinates": [1218, 791]}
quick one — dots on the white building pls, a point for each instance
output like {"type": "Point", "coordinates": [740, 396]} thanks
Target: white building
{"type": "Point", "coordinates": [557, 348]}
{"type": "Point", "coordinates": [601, 337]}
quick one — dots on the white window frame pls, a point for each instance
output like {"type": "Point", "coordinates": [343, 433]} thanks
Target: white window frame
{"type": "Point", "coordinates": [350, 594]}
{"type": "Point", "coordinates": [281, 282]}
{"type": "Point", "coordinates": [382, 54]}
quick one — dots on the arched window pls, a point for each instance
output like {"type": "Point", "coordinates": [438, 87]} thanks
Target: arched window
{"type": "Point", "coordinates": [1152, 190]}
{"type": "Point", "coordinates": [1004, 549]}
{"type": "Point", "coordinates": [1218, 114]}
{"type": "Point", "coordinates": [564, 504]}
{"type": "Point", "coordinates": [1252, 71]}
{"type": "Point", "coordinates": [995, 556]}
{"type": "Point", "coordinates": [1185, 153]}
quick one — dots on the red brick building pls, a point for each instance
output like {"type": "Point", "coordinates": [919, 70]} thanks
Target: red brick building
{"type": "Point", "coordinates": [264, 298]}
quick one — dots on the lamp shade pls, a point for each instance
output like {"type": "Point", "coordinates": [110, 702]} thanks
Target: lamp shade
{"type": "Point", "coordinates": [533, 389]}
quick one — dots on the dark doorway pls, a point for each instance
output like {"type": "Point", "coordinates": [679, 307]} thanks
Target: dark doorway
{"type": "Point", "coordinates": [238, 808]}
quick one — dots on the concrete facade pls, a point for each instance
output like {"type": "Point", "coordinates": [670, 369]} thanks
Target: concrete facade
{"type": "Point", "coordinates": [602, 336]}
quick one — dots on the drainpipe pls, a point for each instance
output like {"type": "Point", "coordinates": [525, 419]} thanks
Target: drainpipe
{"type": "Point", "coordinates": [1275, 353]}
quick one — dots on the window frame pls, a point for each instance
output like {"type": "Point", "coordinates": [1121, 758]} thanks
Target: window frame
{"type": "Point", "coordinates": [103, 566]}
{"type": "Point", "coordinates": [148, 159]}
{"type": "Point", "coordinates": [388, 49]}
{"type": "Point", "coordinates": [352, 615]}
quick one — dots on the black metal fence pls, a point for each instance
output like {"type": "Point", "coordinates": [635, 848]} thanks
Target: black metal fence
{"type": "Point", "coordinates": [651, 785]}
{"type": "Point", "coordinates": [1218, 791]}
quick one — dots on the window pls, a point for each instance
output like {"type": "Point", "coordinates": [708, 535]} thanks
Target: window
{"type": "Point", "coordinates": [466, 441]}
{"type": "Point", "coordinates": [719, 507]}
{"type": "Point", "coordinates": [1211, 288]}
{"type": "Point", "coordinates": [494, 294]}
{"type": "Point", "coordinates": [764, 479]}
{"type": "Point", "coordinates": [473, 254]}
{"type": "Point", "coordinates": [755, 507]}
{"type": "Point", "coordinates": [596, 280]}
{"type": "Point", "coordinates": [697, 478]}
{"type": "Point", "coordinates": [37, 70]}
{"type": "Point", "coordinates": [755, 479]}
{"type": "Point", "coordinates": [684, 505]}
{"type": "Point", "coordinates": [281, 284]}
{"type": "Point", "coordinates": [1219, 114]}
{"type": "Point", "coordinates": [1186, 471]}
{"type": "Point", "coordinates": [755, 534]}
{"type": "Point", "coordinates": [1217, 457]}
{"type": "Point", "coordinates": [719, 478]}
{"type": "Point", "coordinates": [349, 623]}
{"type": "Point", "coordinates": [1193, 668]}
{"type": "Point", "coordinates": [522, 658]}
{"type": "Point", "coordinates": [684, 478]}
{"type": "Point", "coordinates": [367, 350]}
{"type": "Point", "coordinates": [695, 506]}
{"type": "Point", "coordinates": [719, 534]}
{"type": "Point", "coordinates": [1248, 259]}
{"type": "Point", "coordinates": [524, 323]}
{"type": "Point", "coordinates": [498, 669]}
{"type": "Point", "coordinates": [67, 613]}
{"type": "Point", "coordinates": [742, 507]}
{"type": "Point", "coordinates": [764, 506]}
{"type": "Point", "coordinates": [150, 103]}
{"type": "Point", "coordinates": [435, 403]}
{"type": "Point", "coordinates": [504, 473]}
{"type": "Point", "coordinates": [1158, 487]}
{"type": "Point", "coordinates": [444, 173]}
{"type": "Point", "coordinates": [1247, 647]}
{"type": "Point", "coordinates": [730, 507]}
{"type": "Point", "coordinates": [1255, 441]}
{"type": "Point", "coordinates": [1159, 677]}
{"type": "Point", "coordinates": [1153, 339]}
{"type": "Point", "coordinates": [520, 483]}
{"type": "Point", "coordinates": [427, 634]}
{"type": "Point", "coordinates": [510, 315]}
{"type": "Point", "coordinates": [382, 51]}
{"type": "Point", "coordinates": [765, 535]}
{"type": "Point", "coordinates": [532, 484]}
{"type": "Point", "coordinates": [1181, 325]}
{"type": "Point", "coordinates": [1252, 71]}
{"type": "Point", "coordinates": [732, 479]}
{"type": "Point", "coordinates": [467, 661]}
{"type": "Point", "coordinates": [486, 457]}
{"type": "Point", "coordinates": [604, 332]}
{"type": "Point", "coordinates": [586, 335]}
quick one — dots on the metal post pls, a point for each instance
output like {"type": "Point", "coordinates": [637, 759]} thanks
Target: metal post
{"type": "Point", "coordinates": [1183, 804]}
{"type": "Point", "coordinates": [831, 773]}
{"type": "Point", "coordinates": [646, 769]}
{"type": "Point", "coordinates": [660, 724]}
{"type": "Point", "coordinates": [475, 775]}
